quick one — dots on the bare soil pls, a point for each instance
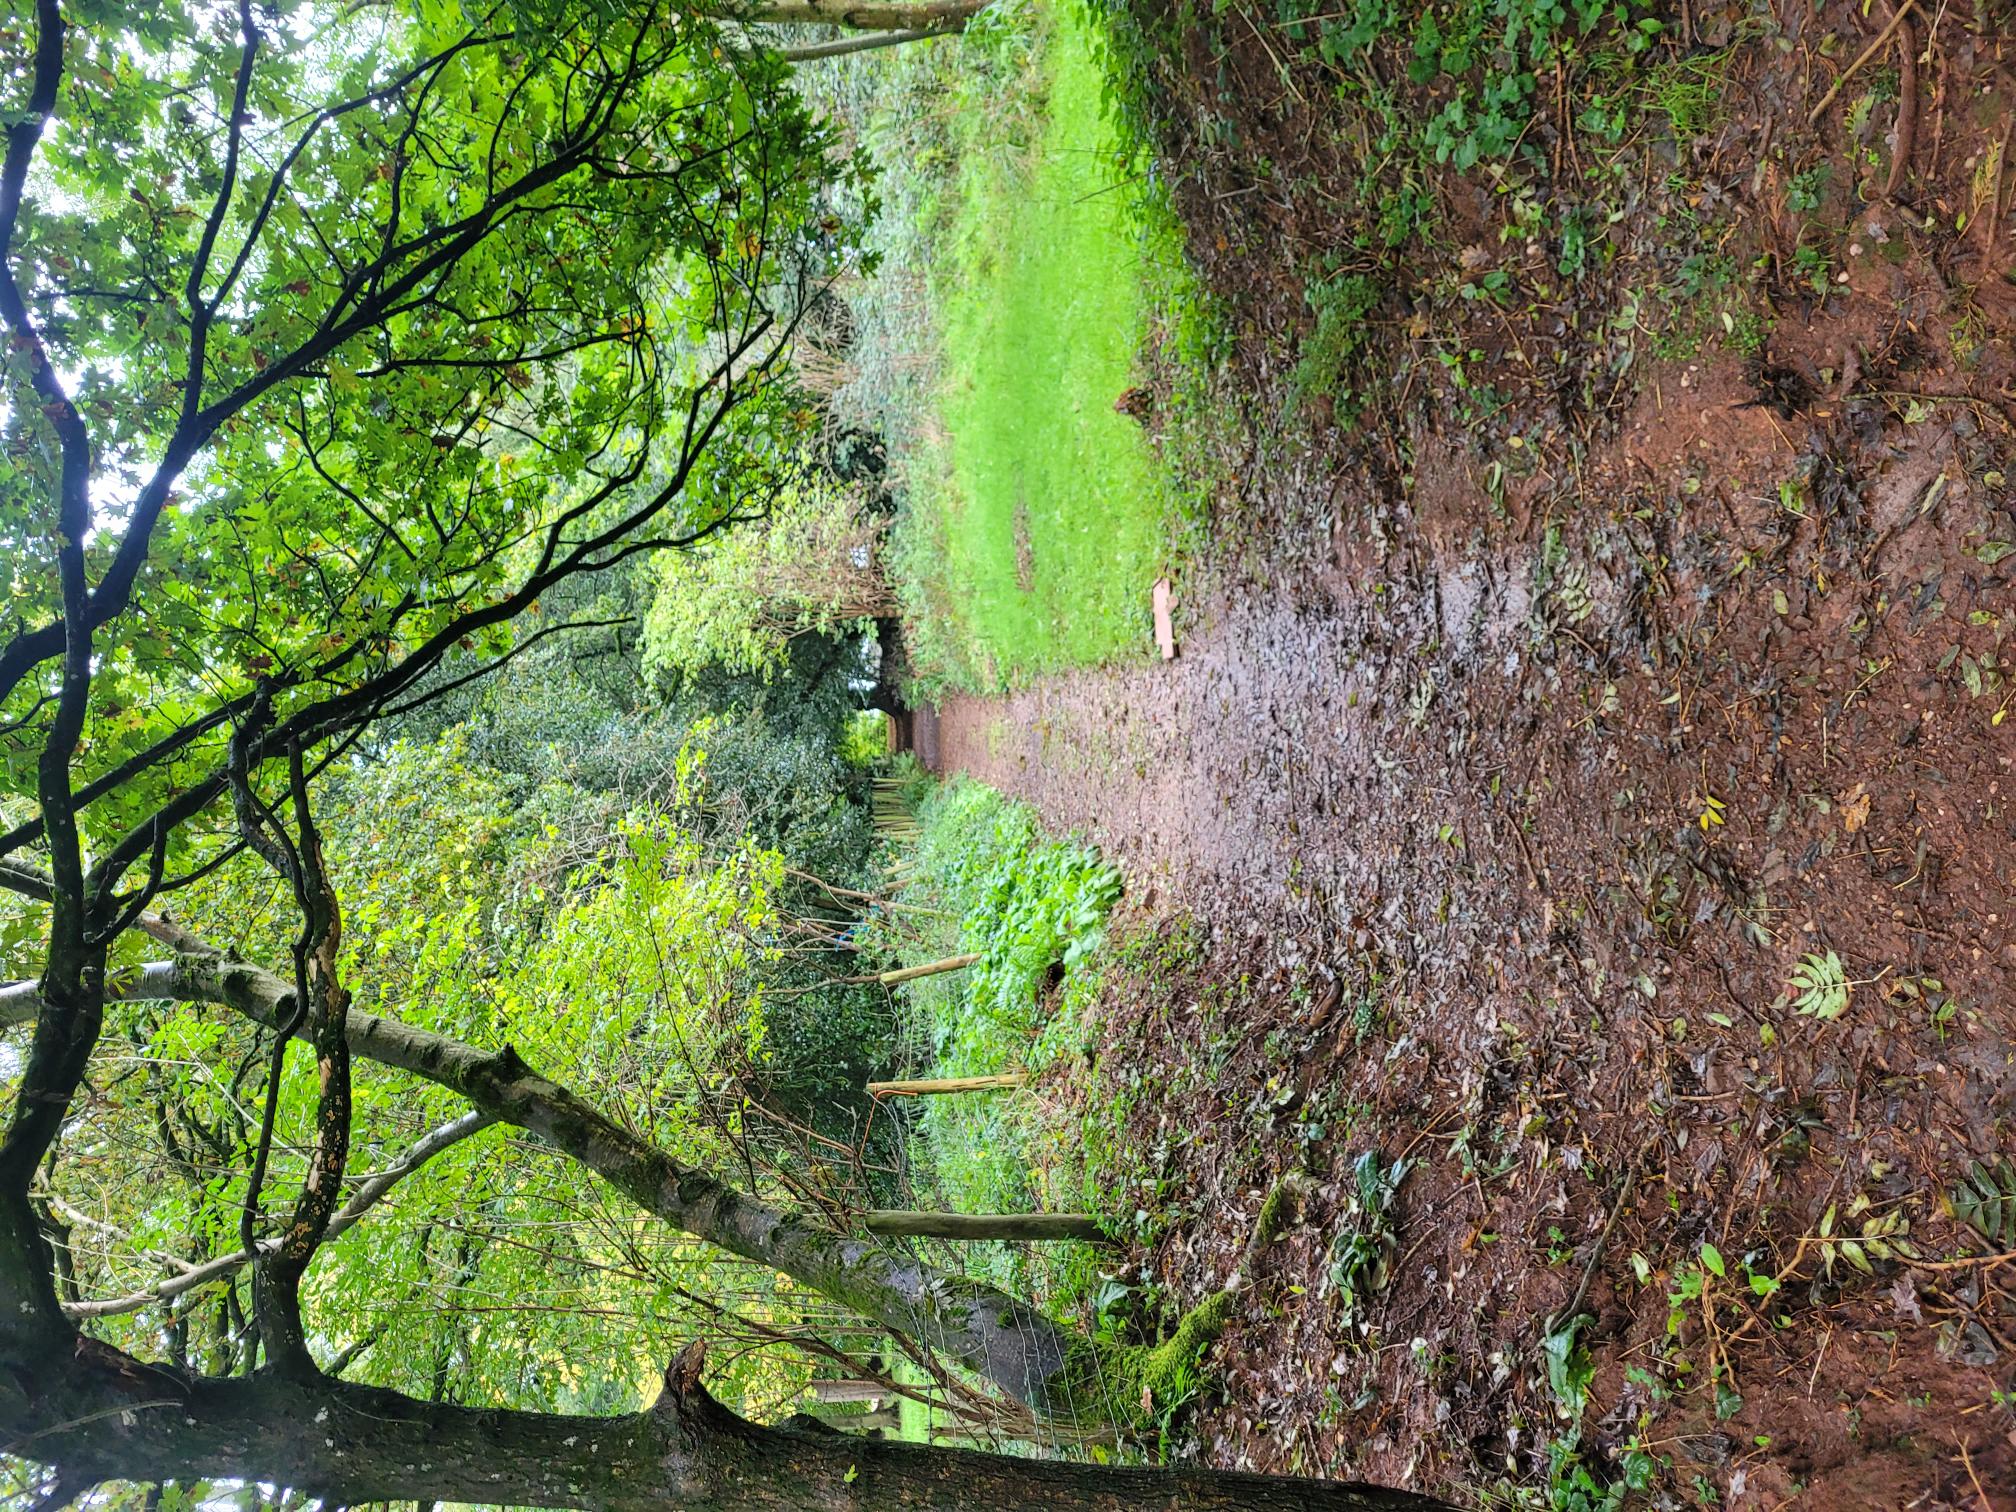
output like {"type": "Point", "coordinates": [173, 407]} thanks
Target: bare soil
{"type": "Point", "coordinates": [1512, 767]}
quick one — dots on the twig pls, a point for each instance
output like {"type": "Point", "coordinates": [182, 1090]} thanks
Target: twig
{"type": "Point", "coordinates": [1967, 1462]}
{"type": "Point", "coordinates": [866, 897]}
{"type": "Point", "coordinates": [1556, 1320]}
{"type": "Point", "coordinates": [1991, 220]}
{"type": "Point", "coordinates": [1813, 117]}
{"type": "Point", "coordinates": [1961, 1264]}
{"type": "Point", "coordinates": [13, 1446]}
{"type": "Point", "coordinates": [1907, 106]}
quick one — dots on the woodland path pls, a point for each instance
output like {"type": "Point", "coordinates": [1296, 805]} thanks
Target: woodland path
{"type": "Point", "coordinates": [1457, 762]}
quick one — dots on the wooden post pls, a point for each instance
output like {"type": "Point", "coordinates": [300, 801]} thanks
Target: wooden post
{"type": "Point", "coordinates": [1013, 1228]}
{"type": "Point", "coordinates": [948, 1084]}
{"type": "Point", "coordinates": [843, 1416]}
{"type": "Point", "coordinates": [930, 968]}
{"type": "Point", "coordinates": [850, 1391]}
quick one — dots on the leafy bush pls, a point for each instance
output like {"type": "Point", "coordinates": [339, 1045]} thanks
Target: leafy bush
{"type": "Point", "coordinates": [1340, 304]}
{"type": "Point", "coordinates": [1493, 48]}
{"type": "Point", "coordinates": [864, 738]}
{"type": "Point", "coordinates": [1362, 1249]}
{"type": "Point", "coordinates": [809, 563]}
{"type": "Point", "coordinates": [1024, 903]}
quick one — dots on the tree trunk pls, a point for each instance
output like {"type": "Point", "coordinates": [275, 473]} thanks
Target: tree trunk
{"type": "Point", "coordinates": [945, 1085]}
{"type": "Point", "coordinates": [1012, 1228]}
{"type": "Point", "coordinates": [97, 1414]}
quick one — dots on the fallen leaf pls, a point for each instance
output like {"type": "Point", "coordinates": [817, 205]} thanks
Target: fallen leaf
{"type": "Point", "coordinates": [1854, 809]}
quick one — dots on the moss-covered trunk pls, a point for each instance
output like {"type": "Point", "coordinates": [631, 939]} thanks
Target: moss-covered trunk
{"type": "Point", "coordinates": [94, 1415]}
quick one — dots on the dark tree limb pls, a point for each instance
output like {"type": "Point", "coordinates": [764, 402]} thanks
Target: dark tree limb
{"type": "Point", "coordinates": [103, 1415]}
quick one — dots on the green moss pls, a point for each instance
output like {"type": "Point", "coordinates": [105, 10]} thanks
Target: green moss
{"type": "Point", "coordinates": [1132, 1386]}
{"type": "Point", "coordinates": [1105, 1383]}
{"type": "Point", "coordinates": [1273, 1213]}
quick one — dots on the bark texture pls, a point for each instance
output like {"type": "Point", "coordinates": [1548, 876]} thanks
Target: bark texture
{"type": "Point", "coordinates": [98, 1415]}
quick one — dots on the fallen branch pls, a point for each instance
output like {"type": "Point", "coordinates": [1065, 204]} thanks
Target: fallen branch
{"type": "Point", "coordinates": [1904, 10]}
{"type": "Point", "coordinates": [1561, 1316]}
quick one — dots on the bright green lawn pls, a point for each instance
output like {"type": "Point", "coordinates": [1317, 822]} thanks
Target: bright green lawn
{"type": "Point", "coordinates": [1039, 525]}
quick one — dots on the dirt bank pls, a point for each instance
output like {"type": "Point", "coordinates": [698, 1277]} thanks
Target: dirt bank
{"type": "Point", "coordinates": [1518, 770]}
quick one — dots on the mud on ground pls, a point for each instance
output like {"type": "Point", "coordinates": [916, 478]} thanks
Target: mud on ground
{"type": "Point", "coordinates": [1512, 768]}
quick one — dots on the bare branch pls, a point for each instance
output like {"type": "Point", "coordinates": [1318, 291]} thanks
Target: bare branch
{"type": "Point", "coordinates": [866, 42]}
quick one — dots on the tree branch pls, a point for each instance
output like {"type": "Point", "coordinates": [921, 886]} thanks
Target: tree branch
{"type": "Point", "coordinates": [366, 1197]}
{"type": "Point", "coordinates": [977, 1326]}
{"type": "Point", "coordinates": [102, 1415]}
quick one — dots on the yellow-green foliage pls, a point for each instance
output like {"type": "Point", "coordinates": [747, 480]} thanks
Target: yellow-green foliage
{"type": "Point", "coordinates": [612, 953]}
{"type": "Point", "coordinates": [809, 562]}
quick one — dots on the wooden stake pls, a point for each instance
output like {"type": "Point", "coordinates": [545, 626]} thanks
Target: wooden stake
{"type": "Point", "coordinates": [1013, 1228]}
{"type": "Point", "coordinates": [932, 968]}
{"type": "Point", "coordinates": [850, 1391]}
{"type": "Point", "coordinates": [944, 1085]}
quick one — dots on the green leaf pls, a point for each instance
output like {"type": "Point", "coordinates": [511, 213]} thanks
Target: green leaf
{"type": "Point", "coordinates": [1570, 1371]}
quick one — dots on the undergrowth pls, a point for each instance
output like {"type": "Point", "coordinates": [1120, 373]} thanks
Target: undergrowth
{"type": "Point", "coordinates": [982, 878]}
{"type": "Point", "coordinates": [1481, 162]}
{"type": "Point", "coordinates": [1037, 910]}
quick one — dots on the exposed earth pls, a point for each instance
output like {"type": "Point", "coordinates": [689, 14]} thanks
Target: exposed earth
{"type": "Point", "coordinates": [1515, 764]}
